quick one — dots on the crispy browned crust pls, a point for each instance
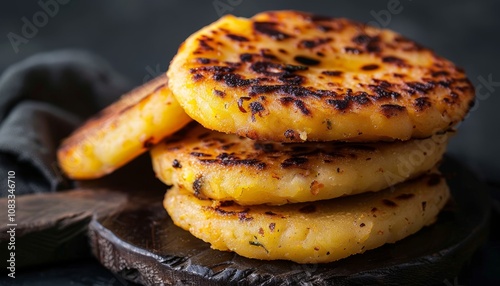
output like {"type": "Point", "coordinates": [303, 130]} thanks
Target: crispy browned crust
{"type": "Point", "coordinates": [229, 167]}
{"type": "Point", "coordinates": [110, 115]}
{"type": "Point", "coordinates": [122, 131]}
{"type": "Point", "coordinates": [293, 76]}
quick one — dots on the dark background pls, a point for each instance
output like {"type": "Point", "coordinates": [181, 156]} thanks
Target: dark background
{"type": "Point", "coordinates": [139, 38]}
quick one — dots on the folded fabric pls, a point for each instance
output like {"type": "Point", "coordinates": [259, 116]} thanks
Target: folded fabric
{"type": "Point", "coordinates": [42, 99]}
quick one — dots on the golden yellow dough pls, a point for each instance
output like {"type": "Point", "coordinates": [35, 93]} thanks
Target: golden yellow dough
{"type": "Point", "coordinates": [292, 76]}
{"type": "Point", "coordinates": [228, 167]}
{"type": "Point", "coordinates": [311, 232]}
{"type": "Point", "coordinates": [122, 131]}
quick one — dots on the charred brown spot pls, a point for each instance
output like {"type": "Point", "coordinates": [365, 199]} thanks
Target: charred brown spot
{"type": "Point", "coordinates": [315, 187]}
{"type": "Point", "coordinates": [227, 146]}
{"type": "Point", "coordinates": [226, 203]}
{"type": "Point", "coordinates": [362, 224]}
{"type": "Point", "coordinates": [270, 29]}
{"type": "Point", "coordinates": [246, 57]}
{"type": "Point", "coordinates": [219, 93]}
{"type": "Point", "coordinates": [308, 209]}
{"type": "Point", "coordinates": [197, 185]}
{"type": "Point", "coordinates": [306, 60]}
{"type": "Point", "coordinates": [176, 164]}
{"type": "Point", "coordinates": [389, 203]}
{"type": "Point", "coordinates": [267, 54]}
{"type": "Point", "coordinates": [361, 39]}
{"type": "Point", "coordinates": [227, 160]}
{"type": "Point", "coordinates": [202, 136]}
{"type": "Point", "coordinates": [197, 77]}
{"type": "Point", "coordinates": [237, 38]}
{"type": "Point", "coordinates": [148, 143]}
{"type": "Point", "coordinates": [405, 196]}
{"type": "Point", "coordinates": [419, 87]}
{"type": "Point", "coordinates": [391, 110]}
{"type": "Point", "coordinates": [434, 179]}
{"type": "Point", "coordinates": [243, 215]}
{"type": "Point", "coordinates": [440, 73]}
{"type": "Point", "coordinates": [204, 46]}
{"type": "Point", "coordinates": [298, 91]}
{"type": "Point", "coordinates": [240, 103]}
{"type": "Point", "coordinates": [394, 60]}
{"type": "Point", "coordinates": [422, 103]}
{"type": "Point", "coordinates": [290, 134]}
{"type": "Point", "coordinates": [332, 73]}
{"type": "Point", "coordinates": [212, 69]}
{"type": "Point", "coordinates": [302, 107]}
{"type": "Point", "coordinates": [424, 204]}
{"type": "Point", "coordinates": [382, 90]}
{"type": "Point", "coordinates": [370, 67]}
{"type": "Point", "coordinates": [309, 44]}
{"type": "Point", "coordinates": [271, 213]}
{"type": "Point", "coordinates": [256, 107]}
{"type": "Point", "coordinates": [373, 46]}
{"type": "Point", "coordinates": [294, 162]}
{"type": "Point", "coordinates": [199, 154]}
{"type": "Point", "coordinates": [286, 100]}
{"type": "Point", "coordinates": [272, 226]}
{"type": "Point", "coordinates": [233, 80]}
{"type": "Point", "coordinates": [339, 104]}
{"type": "Point", "coordinates": [223, 212]}
{"type": "Point", "coordinates": [360, 98]}
{"type": "Point", "coordinates": [265, 147]}
{"type": "Point", "coordinates": [203, 61]}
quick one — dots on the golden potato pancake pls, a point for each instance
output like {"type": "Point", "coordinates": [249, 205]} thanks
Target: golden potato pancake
{"type": "Point", "coordinates": [292, 76]}
{"type": "Point", "coordinates": [122, 131]}
{"type": "Point", "coordinates": [316, 232]}
{"type": "Point", "coordinates": [229, 167]}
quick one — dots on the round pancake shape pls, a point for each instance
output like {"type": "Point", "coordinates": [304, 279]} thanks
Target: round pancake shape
{"type": "Point", "coordinates": [315, 232]}
{"type": "Point", "coordinates": [229, 167]}
{"type": "Point", "coordinates": [292, 76]}
{"type": "Point", "coordinates": [122, 131]}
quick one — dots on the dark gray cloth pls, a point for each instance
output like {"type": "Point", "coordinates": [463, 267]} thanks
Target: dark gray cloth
{"type": "Point", "coordinates": [42, 99]}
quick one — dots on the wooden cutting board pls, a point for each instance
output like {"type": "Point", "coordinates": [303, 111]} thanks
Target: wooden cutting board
{"type": "Point", "coordinates": [141, 244]}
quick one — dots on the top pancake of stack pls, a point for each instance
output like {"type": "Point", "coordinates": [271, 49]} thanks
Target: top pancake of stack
{"type": "Point", "coordinates": [289, 76]}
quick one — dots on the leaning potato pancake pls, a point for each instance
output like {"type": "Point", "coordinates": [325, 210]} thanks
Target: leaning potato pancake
{"type": "Point", "coordinates": [313, 232]}
{"type": "Point", "coordinates": [229, 167]}
{"type": "Point", "coordinates": [122, 131]}
{"type": "Point", "coordinates": [293, 76]}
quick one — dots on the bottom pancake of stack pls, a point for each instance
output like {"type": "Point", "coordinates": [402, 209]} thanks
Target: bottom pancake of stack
{"type": "Point", "coordinates": [312, 202]}
{"type": "Point", "coordinates": [313, 232]}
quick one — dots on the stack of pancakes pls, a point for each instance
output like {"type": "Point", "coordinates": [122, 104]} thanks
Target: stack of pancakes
{"type": "Point", "coordinates": [316, 138]}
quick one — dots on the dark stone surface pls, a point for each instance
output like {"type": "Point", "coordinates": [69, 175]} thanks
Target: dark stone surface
{"type": "Point", "coordinates": [141, 244]}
